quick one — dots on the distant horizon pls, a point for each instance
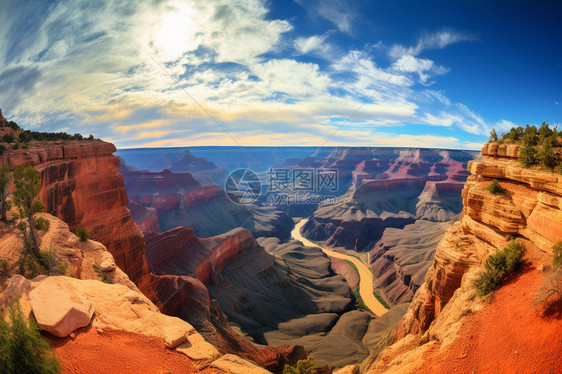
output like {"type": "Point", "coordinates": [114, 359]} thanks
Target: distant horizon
{"type": "Point", "coordinates": [297, 146]}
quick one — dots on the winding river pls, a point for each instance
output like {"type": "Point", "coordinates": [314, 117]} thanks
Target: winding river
{"type": "Point", "coordinates": [365, 276]}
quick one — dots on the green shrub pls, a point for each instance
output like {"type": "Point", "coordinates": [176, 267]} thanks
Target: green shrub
{"type": "Point", "coordinates": [545, 131]}
{"type": "Point", "coordinates": [528, 155]}
{"type": "Point", "coordinates": [42, 224]}
{"type": "Point", "coordinates": [82, 233]}
{"type": "Point", "coordinates": [302, 367]}
{"type": "Point", "coordinates": [498, 267]}
{"type": "Point", "coordinates": [514, 134]}
{"type": "Point", "coordinates": [557, 251]}
{"type": "Point", "coordinates": [493, 136]}
{"type": "Point", "coordinates": [495, 188]}
{"type": "Point", "coordinates": [16, 146]}
{"type": "Point", "coordinates": [8, 138]}
{"type": "Point", "coordinates": [31, 268]}
{"type": "Point", "coordinates": [105, 278]}
{"type": "Point", "coordinates": [2, 149]}
{"type": "Point", "coordinates": [545, 155]}
{"type": "Point", "coordinates": [23, 348]}
{"type": "Point", "coordinates": [24, 136]}
{"type": "Point", "coordinates": [14, 126]}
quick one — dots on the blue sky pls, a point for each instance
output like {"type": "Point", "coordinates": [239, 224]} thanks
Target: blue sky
{"type": "Point", "coordinates": [149, 73]}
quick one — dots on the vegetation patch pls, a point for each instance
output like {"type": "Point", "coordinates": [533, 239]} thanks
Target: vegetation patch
{"type": "Point", "coordinates": [82, 233]}
{"type": "Point", "coordinates": [537, 145]}
{"type": "Point", "coordinates": [499, 266]}
{"type": "Point", "coordinates": [550, 293]}
{"type": "Point", "coordinates": [23, 348]}
{"type": "Point", "coordinates": [302, 367]}
{"type": "Point", "coordinates": [495, 188]}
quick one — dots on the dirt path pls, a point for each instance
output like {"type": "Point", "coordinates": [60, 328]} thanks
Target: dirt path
{"type": "Point", "coordinates": [120, 352]}
{"type": "Point", "coordinates": [366, 289]}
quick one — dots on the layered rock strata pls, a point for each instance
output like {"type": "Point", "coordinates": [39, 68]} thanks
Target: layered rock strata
{"type": "Point", "coordinates": [80, 185]}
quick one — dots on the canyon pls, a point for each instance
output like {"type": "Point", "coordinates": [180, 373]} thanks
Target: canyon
{"type": "Point", "coordinates": [419, 224]}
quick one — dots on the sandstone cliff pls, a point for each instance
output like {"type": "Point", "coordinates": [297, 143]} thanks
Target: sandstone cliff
{"type": "Point", "coordinates": [529, 209]}
{"type": "Point", "coordinates": [80, 185]}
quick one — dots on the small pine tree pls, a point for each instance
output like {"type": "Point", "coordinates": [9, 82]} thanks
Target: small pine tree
{"type": "Point", "coordinates": [499, 266]}
{"type": "Point", "coordinates": [545, 131]}
{"type": "Point", "coordinates": [28, 184]}
{"type": "Point", "coordinates": [493, 135]}
{"type": "Point", "coordinates": [545, 155]}
{"type": "Point", "coordinates": [4, 183]}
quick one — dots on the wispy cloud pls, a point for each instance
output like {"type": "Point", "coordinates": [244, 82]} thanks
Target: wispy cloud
{"type": "Point", "coordinates": [88, 67]}
{"type": "Point", "coordinates": [341, 13]}
{"type": "Point", "coordinates": [437, 40]}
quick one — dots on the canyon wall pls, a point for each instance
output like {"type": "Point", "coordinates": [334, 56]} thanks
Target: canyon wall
{"type": "Point", "coordinates": [80, 185]}
{"type": "Point", "coordinates": [178, 200]}
{"type": "Point", "coordinates": [529, 209]}
{"type": "Point", "coordinates": [389, 188]}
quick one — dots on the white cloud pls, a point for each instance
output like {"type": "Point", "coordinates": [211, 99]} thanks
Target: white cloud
{"type": "Point", "coordinates": [424, 68]}
{"type": "Point", "coordinates": [96, 76]}
{"type": "Point", "coordinates": [307, 45]}
{"type": "Point", "coordinates": [438, 40]}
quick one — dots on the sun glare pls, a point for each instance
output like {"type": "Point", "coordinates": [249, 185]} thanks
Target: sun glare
{"type": "Point", "coordinates": [175, 32]}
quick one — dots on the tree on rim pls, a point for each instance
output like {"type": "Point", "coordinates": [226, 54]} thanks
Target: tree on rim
{"type": "Point", "coordinates": [4, 183]}
{"type": "Point", "coordinates": [27, 184]}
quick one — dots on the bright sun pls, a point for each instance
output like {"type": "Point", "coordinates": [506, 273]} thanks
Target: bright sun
{"type": "Point", "coordinates": [175, 32]}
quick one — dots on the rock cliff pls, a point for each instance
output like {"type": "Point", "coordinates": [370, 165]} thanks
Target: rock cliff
{"type": "Point", "coordinates": [529, 209]}
{"type": "Point", "coordinates": [80, 185]}
{"type": "Point", "coordinates": [180, 200]}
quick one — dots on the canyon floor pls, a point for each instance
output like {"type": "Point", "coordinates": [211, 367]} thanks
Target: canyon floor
{"type": "Point", "coordinates": [365, 275]}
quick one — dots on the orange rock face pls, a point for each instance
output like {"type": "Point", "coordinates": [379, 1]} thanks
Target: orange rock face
{"type": "Point", "coordinates": [81, 186]}
{"type": "Point", "coordinates": [530, 209]}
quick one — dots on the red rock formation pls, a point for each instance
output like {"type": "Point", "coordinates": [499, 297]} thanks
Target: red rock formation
{"type": "Point", "coordinates": [2, 119]}
{"type": "Point", "coordinates": [146, 218]}
{"type": "Point", "coordinates": [180, 252]}
{"type": "Point", "coordinates": [81, 186]}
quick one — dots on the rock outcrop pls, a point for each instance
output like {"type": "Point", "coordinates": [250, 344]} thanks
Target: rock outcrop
{"type": "Point", "coordinates": [80, 185]}
{"type": "Point", "coordinates": [529, 209]}
{"type": "Point", "coordinates": [181, 201]}
{"type": "Point", "coordinates": [58, 310]}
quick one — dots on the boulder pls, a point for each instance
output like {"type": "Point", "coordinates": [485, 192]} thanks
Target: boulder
{"type": "Point", "coordinates": [236, 365]}
{"type": "Point", "coordinates": [58, 309]}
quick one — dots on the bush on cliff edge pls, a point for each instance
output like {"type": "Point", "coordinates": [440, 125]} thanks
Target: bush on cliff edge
{"type": "Point", "coordinates": [499, 266]}
{"type": "Point", "coordinates": [22, 348]}
{"type": "Point", "coordinates": [495, 188]}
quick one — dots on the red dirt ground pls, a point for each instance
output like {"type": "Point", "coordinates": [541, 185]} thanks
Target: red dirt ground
{"type": "Point", "coordinates": [508, 336]}
{"type": "Point", "coordinates": [119, 352]}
